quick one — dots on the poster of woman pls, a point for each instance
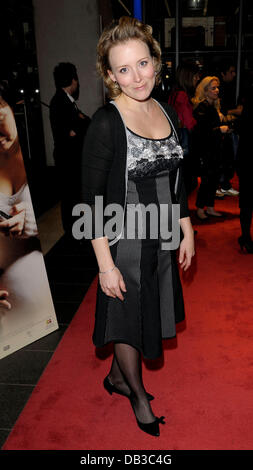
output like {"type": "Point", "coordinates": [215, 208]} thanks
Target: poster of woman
{"type": "Point", "coordinates": [26, 307]}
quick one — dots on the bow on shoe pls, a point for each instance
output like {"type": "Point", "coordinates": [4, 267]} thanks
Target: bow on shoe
{"type": "Point", "coordinates": [161, 420]}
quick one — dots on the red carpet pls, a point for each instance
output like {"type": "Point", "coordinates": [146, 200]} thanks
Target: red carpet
{"type": "Point", "coordinates": [203, 385]}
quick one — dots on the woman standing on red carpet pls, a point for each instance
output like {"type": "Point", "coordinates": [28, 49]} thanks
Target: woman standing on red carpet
{"type": "Point", "coordinates": [207, 141]}
{"type": "Point", "coordinates": [187, 77]}
{"type": "Point", "coordinates": [132, 157]}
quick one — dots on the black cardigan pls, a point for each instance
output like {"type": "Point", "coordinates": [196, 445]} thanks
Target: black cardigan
{"type": "Point", "coordinates": [104, 161]}
{"type": "Point", "coordinates": [207, 136]}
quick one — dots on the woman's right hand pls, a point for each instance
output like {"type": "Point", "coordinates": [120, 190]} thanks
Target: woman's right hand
{"type": "Point", "coordinates": [112, 283]}
{"type": "Point", "coordinates": [224, 129]}
{"type": "Point", "coordinates": [14, 226]}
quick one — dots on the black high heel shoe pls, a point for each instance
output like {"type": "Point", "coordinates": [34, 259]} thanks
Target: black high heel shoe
{"type": "Point", "coordinates": [248, 245]}
{"type": "Point", "coordinates": [112, 389]}
{"type": "Point", "coordinates": [150, 428]}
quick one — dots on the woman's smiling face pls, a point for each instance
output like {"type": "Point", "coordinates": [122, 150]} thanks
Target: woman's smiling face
{"type": "Point", "coordinates": [212, 91]}
{"type": "Point", "coordinates": [133, 68]}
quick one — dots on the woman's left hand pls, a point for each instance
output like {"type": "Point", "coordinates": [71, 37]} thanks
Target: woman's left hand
{"type": "Point", "coordinates": [186, 251]}
{"type": "Point", "coordinates": [15, 225]}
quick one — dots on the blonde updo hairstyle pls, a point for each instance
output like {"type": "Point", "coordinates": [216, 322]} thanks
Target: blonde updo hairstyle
{"type": "Point", "coordinates": [118, 32]}
{"type": "Point", "coordinates": [200, 93]}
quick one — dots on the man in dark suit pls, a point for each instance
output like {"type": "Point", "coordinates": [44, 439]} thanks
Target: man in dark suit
{"type": "Point", "coordinates": [69, 126]}
{"type": "Point", "coordinates": [232, 111]}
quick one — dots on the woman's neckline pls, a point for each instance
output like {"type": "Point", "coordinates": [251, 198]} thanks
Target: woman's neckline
{"type": "Point", "coordinates": [141, 136]}
{"type": "Point", "coordinates": [209, 102]}
{"type": "Point", "coordinates": [10, 196]}
{"type": "Point", "coordinates": [150, 138]}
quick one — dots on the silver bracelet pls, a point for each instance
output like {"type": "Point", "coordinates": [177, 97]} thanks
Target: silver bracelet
{"type": "Point", "coordinates": [109, 271]}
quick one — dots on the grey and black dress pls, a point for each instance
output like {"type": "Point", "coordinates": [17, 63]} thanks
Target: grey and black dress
{"type": "Point", "coordinates": [153, 303]}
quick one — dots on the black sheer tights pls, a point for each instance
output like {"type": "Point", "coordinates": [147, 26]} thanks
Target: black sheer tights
{"type": "Point", "coordinates": [126, 375]}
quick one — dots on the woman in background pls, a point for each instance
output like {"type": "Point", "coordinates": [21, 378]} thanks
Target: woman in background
{"type": "Point", "coordinates": [207, 141]}
{"type": "Point", "coordinates": [187, 77]}
{"type": "Point", "coordinates": [23, 276]}
{"type": "Point", "coordinates": [12, 175]}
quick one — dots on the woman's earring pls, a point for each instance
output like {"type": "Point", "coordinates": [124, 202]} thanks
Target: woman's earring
{"type": "Point", "coordinates": [116, 84]}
